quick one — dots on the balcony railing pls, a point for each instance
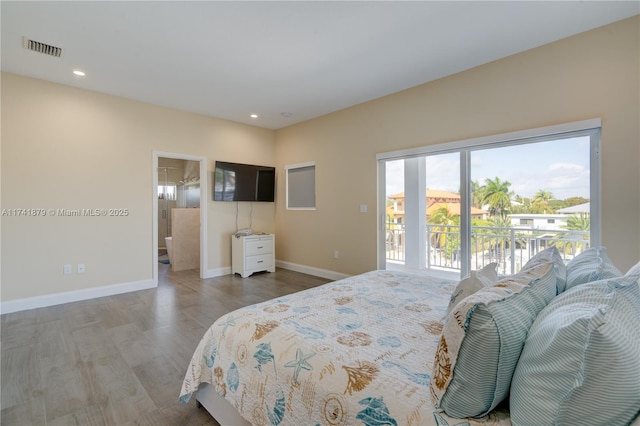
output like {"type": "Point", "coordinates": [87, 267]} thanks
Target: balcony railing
{"type": "Point", "coordinates": [510, 248]}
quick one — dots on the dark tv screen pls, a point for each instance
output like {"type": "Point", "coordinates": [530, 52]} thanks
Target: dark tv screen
{"type": "Point", "coordinates": [243, 182]}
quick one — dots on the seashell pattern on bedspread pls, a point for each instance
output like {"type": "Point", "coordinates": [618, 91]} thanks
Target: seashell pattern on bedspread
{"type": "Point", "coordinates": [356, 351]}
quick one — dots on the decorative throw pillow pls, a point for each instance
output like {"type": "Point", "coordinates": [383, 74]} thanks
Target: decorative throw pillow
{"type": "Point", "coordinates": [634, 270]}
{"type": "Point", "coordinates": [591, 265]}
{"type": "Point", "coordinates": [552, 255]}
{"type": "Point", "coordinates": [476, 280]}
{"type": "Point", "coordinates": [581, 361]}
{"type": "Point", "coordinates": [482, 338]}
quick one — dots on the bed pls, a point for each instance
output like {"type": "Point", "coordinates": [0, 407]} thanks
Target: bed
{"type": "Point", "coordinates": [393, 348]}
{"type": "Point", "coordinates": [355, 351]}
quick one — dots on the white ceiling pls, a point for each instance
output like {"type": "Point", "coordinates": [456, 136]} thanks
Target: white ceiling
{"type": "Point", "coordinates": [232, 59]}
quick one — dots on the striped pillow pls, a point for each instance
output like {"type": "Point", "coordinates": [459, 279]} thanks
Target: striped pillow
{"type": "Point", "coordinates": [482, 338]}
{"type": "Point", "coordinates": [581, 361]}
{"type": "Point", "coordinates": [552, 255]}
{"type": "Point", "coordinates": [634, 270]}
{"type": "Point", "coordinates": [591, 265]}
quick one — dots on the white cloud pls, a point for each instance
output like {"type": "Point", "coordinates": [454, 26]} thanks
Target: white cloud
{"type": "Point", "coordinates": [394, 177]}
{"type": "Point", "coordinates": [562, 179]}
{"type": "Point", "coordinates": [566, 167]}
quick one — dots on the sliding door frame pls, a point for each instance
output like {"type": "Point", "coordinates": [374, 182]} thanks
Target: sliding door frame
{"type": "Point", "coordinates": [591, 128]}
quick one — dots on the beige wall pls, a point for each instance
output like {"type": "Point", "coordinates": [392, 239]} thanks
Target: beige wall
{"type": "Point", "coordinates": [69, 148]}
{"type": "Point", "coordinates": [591, 75]}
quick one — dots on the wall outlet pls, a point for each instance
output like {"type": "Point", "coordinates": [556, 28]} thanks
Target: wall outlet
{"type": "Point", "coordinates": [66, 269]}
{"type": "Point", "coordinates": [335, 254]}
{"type": "Point", "coordinates": [363, 208]}
{"type": "Point", "coordinates": [81, 268]}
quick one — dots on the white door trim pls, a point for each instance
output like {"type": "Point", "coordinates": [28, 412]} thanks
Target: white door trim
{"type": "Point", "coordinates": [204, 190]}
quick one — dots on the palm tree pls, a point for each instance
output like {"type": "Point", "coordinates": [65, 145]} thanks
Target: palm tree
{"type": "Point", "coordinates": [500, 222]}
{"type": "Point", "coordinates": [443, 216]}
{"type": "Point", "coordinates": [444, 236]}
{"type": "Point", "coordinates": [502, 232]}
{"type": "Point", "coordinates": [541, 201]}
{"type": "Point", "coordinates": [491, 237]}
{"type": "Point", "coordinates": [497, 195]}
{"type": "Point", "coordinates": [520, 204]}
{"type": "Point", "coordinates": [477, 194]}
{"type": "Point", "coordinates": [542, 196]}
{"type": "Point", "coordinates": [580, 222]}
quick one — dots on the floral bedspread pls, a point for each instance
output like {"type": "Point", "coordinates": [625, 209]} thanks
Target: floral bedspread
{"type": "Point", "coordinates": [351, 352]}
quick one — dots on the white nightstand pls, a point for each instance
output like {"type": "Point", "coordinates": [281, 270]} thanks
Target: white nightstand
{"type": "Point", "coordinates": [253, 253]}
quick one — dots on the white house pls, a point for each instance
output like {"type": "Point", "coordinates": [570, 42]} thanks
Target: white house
{"type": "Point", "coordinates": [539, 221]}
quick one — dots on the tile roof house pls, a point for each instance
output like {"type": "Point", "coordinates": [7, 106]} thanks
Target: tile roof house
{"type": "Point", "coordinates": [436, 199]}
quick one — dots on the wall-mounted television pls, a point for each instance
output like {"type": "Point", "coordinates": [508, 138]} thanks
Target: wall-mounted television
{"type": "Point", "coordinates": [243, 182]}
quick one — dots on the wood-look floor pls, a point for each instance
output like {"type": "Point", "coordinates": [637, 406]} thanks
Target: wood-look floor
{"type": "Point", "coordinates": [120, 360]}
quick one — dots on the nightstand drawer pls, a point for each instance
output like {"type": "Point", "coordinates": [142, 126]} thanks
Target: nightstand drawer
{"type": "Point", "coordinates": [253, 253]}
{"type": "Point", "coordinates": [259, 247]}
{"type": "Point", "coordinates": [259, 262]}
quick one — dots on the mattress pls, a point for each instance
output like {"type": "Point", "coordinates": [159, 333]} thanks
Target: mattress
{"type": "Point", "coordinates": [355, 351]}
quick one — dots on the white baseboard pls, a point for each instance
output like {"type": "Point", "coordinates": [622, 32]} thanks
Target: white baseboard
{"type": "Point", "coordinates": [317, 272]}
{"type": "Point", "coordinates": [73, 296]}
{"type": "Point", "coordinates": [218, 272]}
{"type": "Point", "coordinates": [110, 290]}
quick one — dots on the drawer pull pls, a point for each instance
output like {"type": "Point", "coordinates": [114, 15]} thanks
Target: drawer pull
{"type": "Point", "coordinates": [260, 247]}
{"type": "Point", "coordinates": [260, 261]}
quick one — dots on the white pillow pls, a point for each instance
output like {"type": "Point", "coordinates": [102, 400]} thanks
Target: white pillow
{"type": "Point", "coordinates": [476, 280]}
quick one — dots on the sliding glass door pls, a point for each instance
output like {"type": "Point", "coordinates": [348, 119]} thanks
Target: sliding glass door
{"type": "Point", "coordinates": [460, 206]}
{"type": "Point", "coordinates": [443, 206]}
{"type": "Point", "coordinates": [535, 195]}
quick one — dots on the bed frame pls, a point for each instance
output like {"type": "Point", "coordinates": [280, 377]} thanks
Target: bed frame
{"type": "Point", "coordinates": [218, 407]}
{"type": "Point", "coordinates": [226, 415]}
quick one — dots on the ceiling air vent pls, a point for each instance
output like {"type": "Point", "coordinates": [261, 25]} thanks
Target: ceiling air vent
{"type": "Point", "coordinates": [39, 47]}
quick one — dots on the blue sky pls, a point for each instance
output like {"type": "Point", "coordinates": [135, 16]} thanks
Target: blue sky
{"type": "Point", "coordinates": [560, 166]}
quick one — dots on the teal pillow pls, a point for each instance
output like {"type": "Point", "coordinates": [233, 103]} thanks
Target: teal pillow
{"type": "Point", "coordinates": [581, 361]}
{"type": "Point", "coordinates": [591, 265]}
{"type": "Point", "coordinates": [482, 338]}
{"type": "Point", "coordinates": [552, 255]}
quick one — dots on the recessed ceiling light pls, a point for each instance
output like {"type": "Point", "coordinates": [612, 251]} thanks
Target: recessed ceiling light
{"type": "Point", "coordinates": [286, 114]}
{"type": "Point", "coordinates": [79, 73]}
{"type": "Point", "coordinates": [254, 115]}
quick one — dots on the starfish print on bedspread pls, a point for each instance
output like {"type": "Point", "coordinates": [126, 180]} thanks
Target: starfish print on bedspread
{"type": "Point", "coordinates": [229, 322]}
{"type": "Point", "coordinates": [300, 363]}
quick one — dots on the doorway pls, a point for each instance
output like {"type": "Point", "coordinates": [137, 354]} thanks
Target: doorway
{"type": "Point", "coordinates": [179, 183]}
